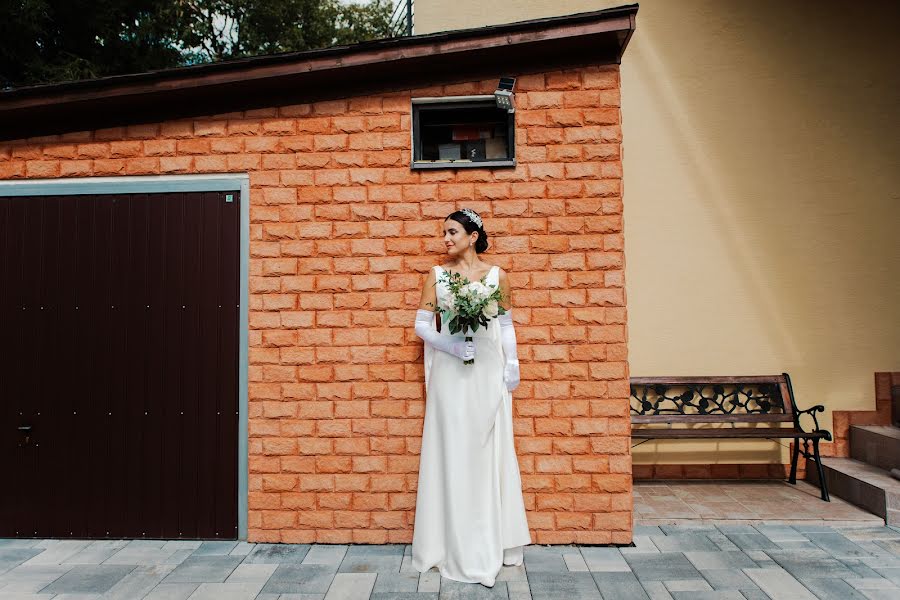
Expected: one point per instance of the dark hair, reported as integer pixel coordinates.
(481, 244)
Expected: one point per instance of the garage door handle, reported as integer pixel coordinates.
(25, 428)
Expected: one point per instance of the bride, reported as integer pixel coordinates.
(470, 516)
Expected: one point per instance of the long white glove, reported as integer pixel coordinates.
(508, 341)
(455, 346)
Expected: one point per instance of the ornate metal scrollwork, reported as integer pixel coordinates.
(705, 399)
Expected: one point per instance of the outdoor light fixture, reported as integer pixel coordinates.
(504, 94)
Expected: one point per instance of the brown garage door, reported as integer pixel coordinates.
(118, 365)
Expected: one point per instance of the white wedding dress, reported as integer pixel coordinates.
(470, 515)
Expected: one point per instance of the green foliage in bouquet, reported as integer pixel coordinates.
(470, 305)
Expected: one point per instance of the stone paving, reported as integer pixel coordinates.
(697, 561)
(657, 502)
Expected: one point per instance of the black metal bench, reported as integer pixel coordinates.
(757, 403)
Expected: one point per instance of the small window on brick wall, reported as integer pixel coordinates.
(460, 132)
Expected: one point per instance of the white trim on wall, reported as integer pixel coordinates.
(152, 184)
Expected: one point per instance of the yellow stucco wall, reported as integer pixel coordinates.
(762, 192)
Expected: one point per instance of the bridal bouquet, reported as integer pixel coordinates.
(469, 305)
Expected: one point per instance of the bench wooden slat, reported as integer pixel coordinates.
(721, 432)
(700, 380)
(713, 418)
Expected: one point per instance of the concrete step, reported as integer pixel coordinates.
(878, 445)
(862, 484)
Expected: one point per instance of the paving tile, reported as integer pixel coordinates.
(810, 565)
(174, 545)
(553, 586)
(729, 529)
(251, 573)
(832, 589)
(384, 596)
(178, 557)
(430, 581)
(836, 545)
(865, 534)
(88, 579)
(544, 560)
(21, 596)
(512, 573)
(456, 590)
(880, 594)
(138, 582)
(642, 545)
(300, 579)
(226, 591)
(647, 530)
(172, 591)
(141, 555)
(868, 583)
(619, 585)
(889, 573)
(779, 584)
(806, 545)
(204, 569)
(371, 559)
(96, 552)
(875, 548)
(861, 570)
(757, 555)
(656, 590)
(11, 557)
(662, 567)
(728, 579)
(352, 586)
(813, 528)
(719, 560)
(683, 542)
(325, 555)
(406, 566)
(277, 553)
(751, 541)
(687, 585)
(295, 596)
(709, 595)
(26, 579)
(697, 528)
(16, 543)
(215, 548)
(575, 562)
(518, 590)
(604, 559)
(722, 541)
(755, 595)
(398, 582)
(781, 533)
(242, 549)
(58, 553)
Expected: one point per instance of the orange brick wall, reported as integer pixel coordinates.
(342, 235)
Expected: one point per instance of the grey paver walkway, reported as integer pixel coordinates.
(701, 560)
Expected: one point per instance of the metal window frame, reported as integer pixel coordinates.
(153, 184)
(451, 102)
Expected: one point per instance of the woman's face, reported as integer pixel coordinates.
(456, 238)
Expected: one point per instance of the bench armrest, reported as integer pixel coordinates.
(812, 412)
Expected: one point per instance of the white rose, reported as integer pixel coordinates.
(491, 309)
(448, 302)
(475, 290)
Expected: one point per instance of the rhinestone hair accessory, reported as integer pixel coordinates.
(472, 215)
